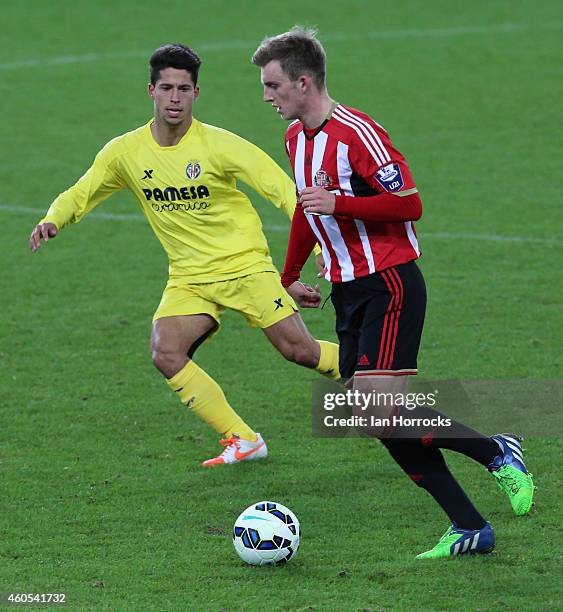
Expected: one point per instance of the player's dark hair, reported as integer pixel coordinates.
(298, 52)
(174, 55)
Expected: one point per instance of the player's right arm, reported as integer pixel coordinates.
(98, 183)
(299, 247)
(42, 231)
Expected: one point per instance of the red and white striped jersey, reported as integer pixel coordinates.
(352, 155)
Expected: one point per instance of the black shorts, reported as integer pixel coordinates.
(379, 320)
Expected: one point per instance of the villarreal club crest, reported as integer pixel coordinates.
(193, 170)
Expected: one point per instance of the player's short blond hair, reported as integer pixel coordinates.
(298, 52)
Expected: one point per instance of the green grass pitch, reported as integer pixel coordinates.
(102, 495)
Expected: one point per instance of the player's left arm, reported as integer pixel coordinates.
(385, 170)
(258, 170)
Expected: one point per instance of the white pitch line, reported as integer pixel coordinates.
(102, 216)
(61, 60)
(502, 28)
(97, 215)
(492, 238)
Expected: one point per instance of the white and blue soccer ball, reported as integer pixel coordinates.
(266, 533)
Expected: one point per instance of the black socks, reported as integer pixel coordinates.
(426, 467)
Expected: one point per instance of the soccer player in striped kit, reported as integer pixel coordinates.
(358, 200)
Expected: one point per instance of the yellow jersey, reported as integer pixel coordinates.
(188, 193)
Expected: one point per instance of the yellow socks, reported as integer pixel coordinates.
(199, 392)
(328, 361)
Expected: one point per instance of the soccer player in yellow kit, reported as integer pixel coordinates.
(184, 174)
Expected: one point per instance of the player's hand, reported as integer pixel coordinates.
(305, 295)
(321, 267)
(42, 231)
(317, 200)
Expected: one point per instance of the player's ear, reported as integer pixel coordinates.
(196, 92)
(304, 82)
(150, 90)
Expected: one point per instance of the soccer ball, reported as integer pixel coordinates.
(266, 533)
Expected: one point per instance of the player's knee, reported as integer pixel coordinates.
(168, 363)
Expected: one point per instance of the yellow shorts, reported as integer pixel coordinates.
(260, 297)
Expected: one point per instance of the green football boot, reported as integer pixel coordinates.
(511, 474)
(461, 542)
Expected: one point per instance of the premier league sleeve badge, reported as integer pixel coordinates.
(390, 177)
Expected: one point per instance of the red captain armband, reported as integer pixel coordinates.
(383, 207)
